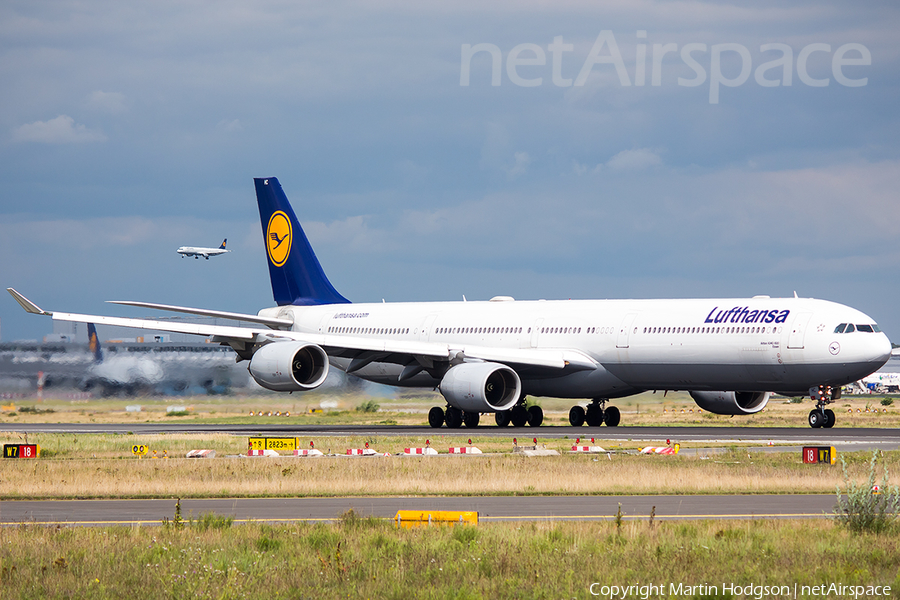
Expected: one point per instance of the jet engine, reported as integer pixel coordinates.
(289, 366)
(731, 403)
(481, 387)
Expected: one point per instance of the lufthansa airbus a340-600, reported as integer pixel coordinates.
(485, 357)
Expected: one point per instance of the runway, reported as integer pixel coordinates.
(489, 508)
(859, 438)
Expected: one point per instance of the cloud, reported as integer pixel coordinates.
(230, 125)
(61, 130)
(108, 102)
(634, 160)
(522, 160)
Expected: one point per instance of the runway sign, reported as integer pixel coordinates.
(21, 451)
(273, 443)
(819, 454)
(140, 449)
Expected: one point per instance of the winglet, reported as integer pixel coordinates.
(27, 304)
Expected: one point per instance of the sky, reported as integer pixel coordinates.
(622, 149)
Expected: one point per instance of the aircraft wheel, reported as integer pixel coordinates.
(611, 416)
(519, 415)
(436, 417)
(535, 416)
(471, 419)
(576, 416)
(829, 418)
(816, 418)
(454, 418)
(594, 415)
(502, 418)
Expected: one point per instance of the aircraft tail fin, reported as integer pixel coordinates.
(222, 247)
(296, 275)
(94, 343)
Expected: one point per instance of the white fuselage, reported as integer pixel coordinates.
(760, 344)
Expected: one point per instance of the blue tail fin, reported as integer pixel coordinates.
(94, 343)
(222, 247)
(297, 277)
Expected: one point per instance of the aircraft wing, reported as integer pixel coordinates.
(272, 322)
(239, 333)
(361, 349)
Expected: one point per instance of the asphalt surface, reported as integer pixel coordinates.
(489, 508)
(857, 438)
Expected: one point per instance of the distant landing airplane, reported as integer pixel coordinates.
(204, 252)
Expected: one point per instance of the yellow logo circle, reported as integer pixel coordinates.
(278, 238)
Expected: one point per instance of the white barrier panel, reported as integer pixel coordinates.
(596, 449)
(465, 450)
(309, 452)
(261, 453)
(201, 454)
(412, 451)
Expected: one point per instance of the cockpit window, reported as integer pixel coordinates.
(850, 328)
(876, 328)
(840, 328)
(866, 328)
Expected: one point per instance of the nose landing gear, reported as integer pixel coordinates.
(821, 416)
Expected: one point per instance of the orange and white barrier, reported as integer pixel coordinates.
(465, 450)
(201, 454)
(661, 449)
(419, 451)
(308, 452)
(595, 449)
(361, 452)
(261, 453)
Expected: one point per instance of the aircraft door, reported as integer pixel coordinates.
(536, 332)
(798, 331)
(425, 332)
(625, 330)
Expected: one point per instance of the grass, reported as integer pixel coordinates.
(732, 472)
(368, 558)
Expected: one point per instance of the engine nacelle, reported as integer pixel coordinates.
(481, 387)
(731, 403)
(289, 366)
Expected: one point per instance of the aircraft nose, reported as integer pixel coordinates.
(878, 350)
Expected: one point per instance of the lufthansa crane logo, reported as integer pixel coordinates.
(278, 238)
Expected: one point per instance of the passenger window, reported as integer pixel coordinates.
(850, 328)
(840, 328)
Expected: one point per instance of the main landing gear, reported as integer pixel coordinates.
(821, 416)
(519, 415)
(453, 417)
(596, 414)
